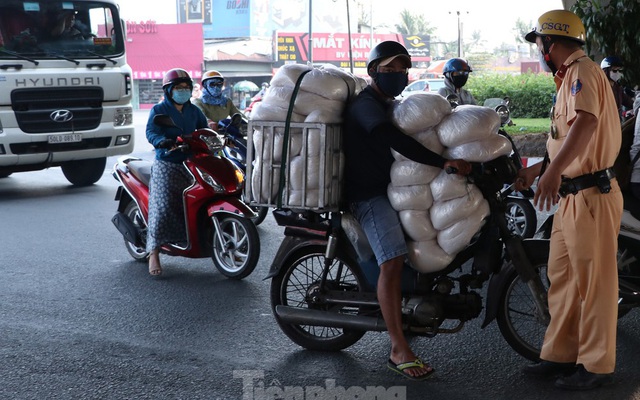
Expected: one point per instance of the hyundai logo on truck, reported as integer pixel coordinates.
(61, 116)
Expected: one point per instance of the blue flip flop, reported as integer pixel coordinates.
(402, 367)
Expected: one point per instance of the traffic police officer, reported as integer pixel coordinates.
(580, 341)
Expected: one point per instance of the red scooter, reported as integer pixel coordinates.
(218, 223)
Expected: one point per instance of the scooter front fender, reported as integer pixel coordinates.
(231, 205)
(498, 282)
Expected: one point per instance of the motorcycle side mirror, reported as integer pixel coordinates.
(453, 100)
(164, 121)
(236, 120)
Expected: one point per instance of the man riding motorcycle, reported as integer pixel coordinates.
(456, 72)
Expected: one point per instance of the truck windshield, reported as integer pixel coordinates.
(59, 30)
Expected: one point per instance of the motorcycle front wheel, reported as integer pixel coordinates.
(139, 253)
(518, 317)
(294, 286)
(236, 246)
(521, 217)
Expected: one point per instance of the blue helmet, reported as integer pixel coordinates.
(456, 65)
(611, 61)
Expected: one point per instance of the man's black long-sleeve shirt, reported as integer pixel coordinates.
(368, 139)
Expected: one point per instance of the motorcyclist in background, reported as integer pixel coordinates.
(213, 103)
(613, 67)
(456, 72)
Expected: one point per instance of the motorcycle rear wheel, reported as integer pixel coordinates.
(139, 253)
(517, 314)
(237, 249)
(292, 286)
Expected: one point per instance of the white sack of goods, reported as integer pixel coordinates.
(314, 164)
(457, 236)
(267, 150)
(264, 189)
(416, 197)
(263, 111)
(446, 213)
(420, 111)
(468, 123)
(448, 186)
(427, 256)
(417, 225)
(455, 210)
(409, 173)
(484, 150)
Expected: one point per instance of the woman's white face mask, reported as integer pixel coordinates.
(615, 76)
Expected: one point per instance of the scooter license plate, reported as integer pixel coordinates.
(70, 138)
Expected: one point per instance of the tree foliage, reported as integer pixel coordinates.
(412, 24)
(612, 29)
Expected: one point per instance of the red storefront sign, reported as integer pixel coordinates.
(153, 49)
(335, 48)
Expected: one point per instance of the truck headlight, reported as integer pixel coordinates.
(123, 116)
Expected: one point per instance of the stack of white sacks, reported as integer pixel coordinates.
(321, 98)
(440, 213)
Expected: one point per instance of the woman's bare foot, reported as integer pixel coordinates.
(154, 263)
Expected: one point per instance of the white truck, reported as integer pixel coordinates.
(65, 87)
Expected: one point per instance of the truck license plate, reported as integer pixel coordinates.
(70, 138)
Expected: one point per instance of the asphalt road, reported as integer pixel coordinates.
(80, 320)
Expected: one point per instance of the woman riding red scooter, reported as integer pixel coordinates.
(190, 181)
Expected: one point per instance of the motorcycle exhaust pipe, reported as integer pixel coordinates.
(307, 316)
(128, 230)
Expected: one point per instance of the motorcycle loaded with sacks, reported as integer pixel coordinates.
(324, 274)
(323, 289)
(218, 222)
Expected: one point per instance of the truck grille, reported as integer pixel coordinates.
(44, 147)
(33, 108)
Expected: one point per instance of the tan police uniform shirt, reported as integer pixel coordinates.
(585, 87)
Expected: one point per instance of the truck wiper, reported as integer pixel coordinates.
(93, 53)
(19, 56)
(56, 55)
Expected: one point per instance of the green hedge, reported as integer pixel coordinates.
(531, 94)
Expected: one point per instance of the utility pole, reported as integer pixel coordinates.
(459, 31)
(310, 34)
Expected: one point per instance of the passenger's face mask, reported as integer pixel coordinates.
(615, 76)
(215, 91)
(392, 83)
(181, 96)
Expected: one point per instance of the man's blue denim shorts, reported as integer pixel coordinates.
(381, 224)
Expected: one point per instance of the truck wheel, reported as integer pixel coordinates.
(84, 172)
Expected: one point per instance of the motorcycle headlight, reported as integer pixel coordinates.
(240, 177)
(218, 188)
(214, 143)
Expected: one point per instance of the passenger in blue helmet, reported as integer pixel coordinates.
(456, 72)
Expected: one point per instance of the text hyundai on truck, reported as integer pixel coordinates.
(65, 87)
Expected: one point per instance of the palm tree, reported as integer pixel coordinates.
(414, 24)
